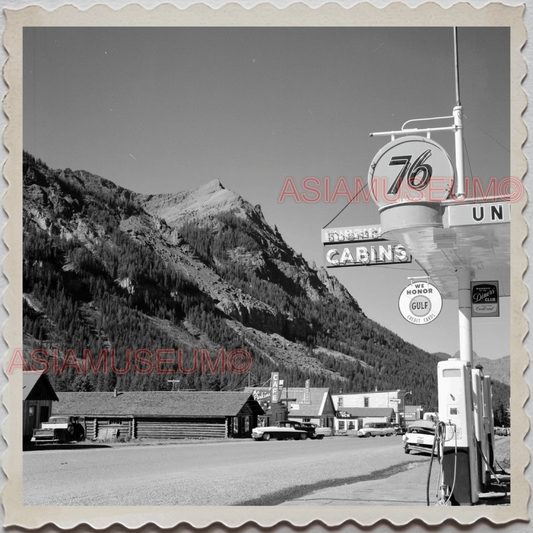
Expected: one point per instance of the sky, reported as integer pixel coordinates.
(161, 110)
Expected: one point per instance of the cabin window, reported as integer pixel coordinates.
(365, 399)
(341, 401)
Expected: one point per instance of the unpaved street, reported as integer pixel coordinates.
(208, 473)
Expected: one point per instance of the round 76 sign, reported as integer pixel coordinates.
(410, 169)
(420, 303)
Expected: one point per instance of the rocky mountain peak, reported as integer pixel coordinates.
(208, 200)
(212, 186)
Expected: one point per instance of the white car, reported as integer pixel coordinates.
(419, 437)
(282, 430)
(373, 429)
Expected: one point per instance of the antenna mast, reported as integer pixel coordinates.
(458, 126)
(456, 54)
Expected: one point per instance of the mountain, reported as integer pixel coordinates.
(119, 275)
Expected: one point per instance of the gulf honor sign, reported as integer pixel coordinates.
(420, 303)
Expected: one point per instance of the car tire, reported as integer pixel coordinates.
(320, 437)
(382, 435)
(266, 436)
(373, 435)
(407, 450)
(303, 436)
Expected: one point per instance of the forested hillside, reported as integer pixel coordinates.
(111, 271)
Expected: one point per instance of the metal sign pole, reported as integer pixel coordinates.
(465, 316)
(458, 127)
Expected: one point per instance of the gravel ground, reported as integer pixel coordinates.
(502, 452)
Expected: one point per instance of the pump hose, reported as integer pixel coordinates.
(488, 464)
(438, 432)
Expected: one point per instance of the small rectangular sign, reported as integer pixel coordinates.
(472, 214)
(485, 299)
(307, 392)
(351, 234)
(365, 254)
(274, 387)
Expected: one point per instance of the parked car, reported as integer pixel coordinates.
(419, 437)
(502, 431)
(399, 430)
(60, 428)
(286, 429)
(313, 431)
(374, 429)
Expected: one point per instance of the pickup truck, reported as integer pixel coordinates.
(60, 428)
(373, 429)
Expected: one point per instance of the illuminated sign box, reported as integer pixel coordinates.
(485, 299)
(365, 254)
(473, 214)
(351, 234)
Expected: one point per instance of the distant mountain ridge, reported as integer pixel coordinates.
(105, 268)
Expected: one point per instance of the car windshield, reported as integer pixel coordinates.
(59, 419)
(424, 431)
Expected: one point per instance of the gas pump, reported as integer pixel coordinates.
(482, 396)
(488, 421)
(459, 463)
(479, 426)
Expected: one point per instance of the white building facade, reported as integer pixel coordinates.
(355, 409)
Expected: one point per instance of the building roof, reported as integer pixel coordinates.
(318, 398)
(399, 391)
(156, 404)
(364, 412)
(36, 386)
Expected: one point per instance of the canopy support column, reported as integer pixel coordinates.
(465, 316)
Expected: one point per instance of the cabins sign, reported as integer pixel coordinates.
(365, 253)
(361, 246)
(351, 234)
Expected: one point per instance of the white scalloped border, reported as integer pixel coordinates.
(263, 14)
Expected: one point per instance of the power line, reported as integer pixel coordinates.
(489, 135)
(355, 196)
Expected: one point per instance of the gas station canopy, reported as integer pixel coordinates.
(473, 236)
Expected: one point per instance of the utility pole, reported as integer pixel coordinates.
(174, 381)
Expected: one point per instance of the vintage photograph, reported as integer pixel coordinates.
(267, 266)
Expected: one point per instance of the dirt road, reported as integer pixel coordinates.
(235, 472)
